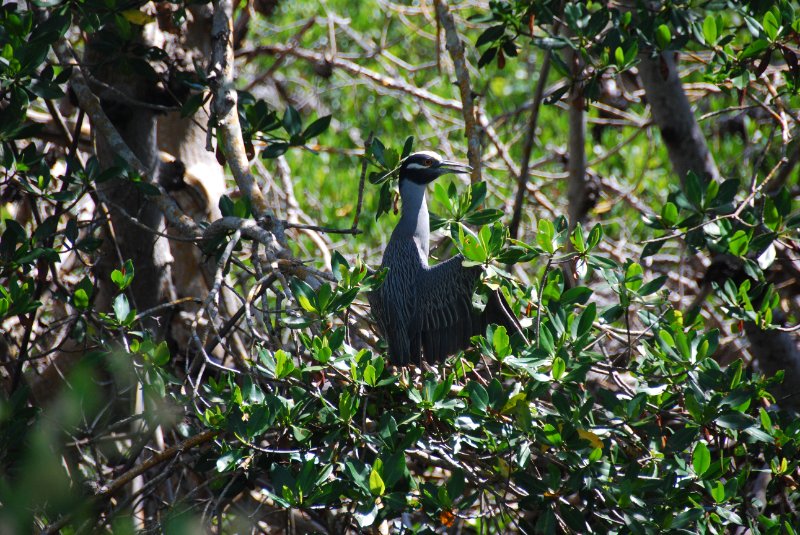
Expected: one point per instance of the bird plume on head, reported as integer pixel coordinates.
(426, 166)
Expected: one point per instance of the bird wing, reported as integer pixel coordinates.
(427, 310)
(445, 317)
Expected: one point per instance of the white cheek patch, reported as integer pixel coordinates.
(415, 166)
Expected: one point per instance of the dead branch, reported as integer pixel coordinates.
(456, 49)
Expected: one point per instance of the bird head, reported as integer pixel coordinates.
(425, 166)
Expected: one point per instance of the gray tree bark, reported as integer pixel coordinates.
(673, 115)
(124, 98)
(688, 151)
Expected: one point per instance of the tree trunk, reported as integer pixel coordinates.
(124, 98)
(772, 350)
(673, 115)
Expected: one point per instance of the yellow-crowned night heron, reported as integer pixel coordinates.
(421, 309)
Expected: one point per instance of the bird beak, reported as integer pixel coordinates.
(453, 167)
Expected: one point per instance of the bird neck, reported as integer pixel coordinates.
(414, 220)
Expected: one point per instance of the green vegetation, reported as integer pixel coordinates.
(183, 351)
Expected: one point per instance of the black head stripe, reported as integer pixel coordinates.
(420, 167)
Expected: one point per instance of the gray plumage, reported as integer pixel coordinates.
(425, 310)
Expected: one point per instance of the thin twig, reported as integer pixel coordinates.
(279, 58)
(530, 135)
(361, 181)
(112, 488)
(356, 69)
(328, 230)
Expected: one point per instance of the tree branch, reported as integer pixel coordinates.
(670, 107)
(102, 126)
(456, 49)
(112, 488)
(530, 135)
(357, 70)
(364, 164)
(221, 76)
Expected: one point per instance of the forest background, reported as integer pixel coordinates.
(192, 194)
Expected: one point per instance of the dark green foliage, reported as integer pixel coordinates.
(625, 412)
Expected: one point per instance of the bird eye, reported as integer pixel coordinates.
(428, 162)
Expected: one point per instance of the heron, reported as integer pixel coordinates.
(422, 310)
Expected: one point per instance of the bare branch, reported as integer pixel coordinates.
(364, 163)
(221, 77)
(355, 69)
(527, 149)
(112, 488)
(456, 49)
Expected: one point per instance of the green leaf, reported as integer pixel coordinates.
(117, 278)
(766, 421)
(717, 491)
(771, 216)
(735, 420)
(123, 278)
(304, 294)
(121, 307)
(559, 367)
(577, 238)
(578, 294)
(283, 364)
(369, 375)
(160, 354)
(479, 396)
(669, 214)
(408, 146)
(483, 217)
(693, 189)
(471, 246)
(663, 36)
(291, 121)
(500, 342)
(633, 276)
(738, 243)
(653, 286)
(619, 56)
(317, 127)
(701, 458)
(80, 299)
(595, 235)
(391, 157)
(753, 49)
(275, 149)
(348, 404)
(771, 25)
(710, 30)
(490, 35)
(544, 235)
(587, 319)
(46, 229)
(652, 248)
(687, 518)
(487, 57)
(378, 149)
(376, 484)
